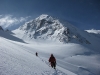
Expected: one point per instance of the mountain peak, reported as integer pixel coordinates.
(43, 16)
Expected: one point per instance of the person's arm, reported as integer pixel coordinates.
(49, 59)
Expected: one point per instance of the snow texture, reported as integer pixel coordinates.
(17, 50)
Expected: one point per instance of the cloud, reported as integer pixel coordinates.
(7, 21)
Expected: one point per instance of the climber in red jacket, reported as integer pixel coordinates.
(52, 61)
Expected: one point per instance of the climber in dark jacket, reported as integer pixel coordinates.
(52, 61)
(36, 54)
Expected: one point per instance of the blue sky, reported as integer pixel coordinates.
(84, 14)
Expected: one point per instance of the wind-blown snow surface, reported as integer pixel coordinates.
(18, 58)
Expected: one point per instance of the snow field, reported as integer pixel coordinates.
(16, 60)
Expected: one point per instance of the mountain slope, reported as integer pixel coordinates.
(46, 27)
(15, 59)
(18, 58)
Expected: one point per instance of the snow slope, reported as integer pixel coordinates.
(18, 58)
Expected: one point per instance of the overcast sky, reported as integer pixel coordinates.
(84, 14)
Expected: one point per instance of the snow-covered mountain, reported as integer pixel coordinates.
(49, 28)
(45, 35)
(93, 31)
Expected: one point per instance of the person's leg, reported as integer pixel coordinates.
(54, 65)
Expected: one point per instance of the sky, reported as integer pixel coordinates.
(84, 14)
